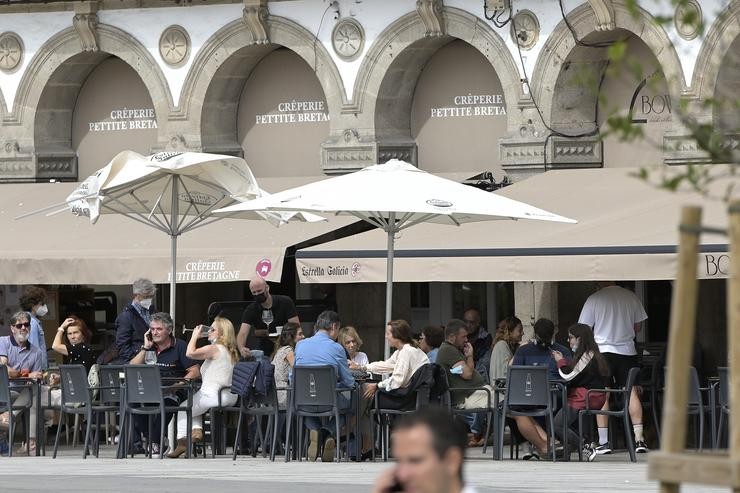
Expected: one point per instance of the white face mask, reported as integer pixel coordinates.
(43, 310)
(574, 348)
(146, 303)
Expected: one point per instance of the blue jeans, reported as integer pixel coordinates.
(314, 423)
(476, 422)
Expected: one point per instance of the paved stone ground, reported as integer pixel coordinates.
(69, 473)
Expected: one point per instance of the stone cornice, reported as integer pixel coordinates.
(85, 23)
(604, 11)
(430, 12)
(255, 15)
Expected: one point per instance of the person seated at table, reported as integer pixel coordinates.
(403, 363)
(538, 352)
(432, 336)
(73, 342)
(508, 336)
(351, 342)
(219, 358)
(587, 370)
(284, 359)
(173, 363)
(23, 360)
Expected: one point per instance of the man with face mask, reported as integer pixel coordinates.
(33, 301)
(22, 359)
(261, 317)
(133, 322)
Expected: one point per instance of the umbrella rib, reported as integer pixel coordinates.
(138, 217)
(204, 214)
(155, 221)
(150, 219)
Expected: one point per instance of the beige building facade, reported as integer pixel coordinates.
(311, 87)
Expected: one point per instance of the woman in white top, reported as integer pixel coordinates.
(351, 342)
(402, 364)
(220, 357)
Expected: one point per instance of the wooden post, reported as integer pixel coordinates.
(681, 339)
(733, 333)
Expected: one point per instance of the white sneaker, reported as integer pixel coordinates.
(603, 449)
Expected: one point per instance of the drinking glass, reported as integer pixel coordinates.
(150, 358)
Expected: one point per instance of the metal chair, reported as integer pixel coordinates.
(724, 401)
(621, 412)
(77, 400)
(144, 397)
(696, 405)
(6, 405)
(650, 379)
(259, 406)
(527, 394)
(111, 393)
(488, 410)
(388, 405)
(313, 393)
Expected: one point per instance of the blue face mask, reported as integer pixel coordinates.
(574, 348)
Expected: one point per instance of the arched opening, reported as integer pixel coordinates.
(113, 112)
(727, 90)
(83, 115)
(282, 117)
(590, 89)
(458, 111)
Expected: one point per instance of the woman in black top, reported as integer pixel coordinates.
(586, 371)
(73, 342)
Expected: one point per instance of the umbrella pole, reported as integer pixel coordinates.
(174, 213)
(389, 278)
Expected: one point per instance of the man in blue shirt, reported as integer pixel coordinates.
(319, 350)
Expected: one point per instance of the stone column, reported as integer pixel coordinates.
(534, 300)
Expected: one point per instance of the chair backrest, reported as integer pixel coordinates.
(75, 389)
(110, 380)
(4, 387)
(724, 386)
(143, 384)
(528, 386)
(314, 386)
(439, 393)
(694, 398)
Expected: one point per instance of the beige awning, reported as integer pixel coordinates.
(627, 229)
(64, 249)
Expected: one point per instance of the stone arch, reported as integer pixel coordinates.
(211, 91)
(721, 35)
(390, 70)
(560, 44)
(3, 106)
(62, 62)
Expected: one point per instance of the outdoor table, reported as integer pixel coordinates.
(18, 383)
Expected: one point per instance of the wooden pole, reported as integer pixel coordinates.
(733, 333)
(681, 339)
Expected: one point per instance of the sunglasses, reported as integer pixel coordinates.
(21, 325)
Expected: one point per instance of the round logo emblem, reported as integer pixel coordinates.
(355, 270)
(439, 203)
(263, 267)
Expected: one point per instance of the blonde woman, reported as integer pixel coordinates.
(219, 358)
(351, 342)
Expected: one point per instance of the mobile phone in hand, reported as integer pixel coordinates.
(149, 336)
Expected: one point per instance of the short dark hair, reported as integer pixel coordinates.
(401, 330)
(434, 335)
(326, 319)
(544, 329)
(454, 326)
(447, 431)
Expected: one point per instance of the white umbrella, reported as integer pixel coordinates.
(394, 196)
(174, 192)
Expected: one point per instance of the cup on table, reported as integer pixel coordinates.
(279, 329)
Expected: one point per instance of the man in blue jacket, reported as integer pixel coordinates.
(319, 350)
(133, 322)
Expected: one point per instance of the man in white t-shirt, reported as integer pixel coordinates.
(615, 314)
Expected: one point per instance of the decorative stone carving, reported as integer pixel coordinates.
(86, 25)
(56, 164)
(348, 39)
(525, 29)
(11, 147)
(174, 45)
(604, 11)
(430, 12)
(178, 142)
(403, 152)
(255, 15)
(683, 149)
(351, 135)
(688, 19)
(11, 51)
(584, 152)
(350, 153)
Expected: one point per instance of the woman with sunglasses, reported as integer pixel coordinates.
(219, 358)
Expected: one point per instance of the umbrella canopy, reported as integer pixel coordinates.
(174, 192)
(394, 196)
